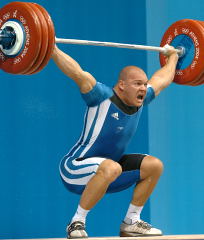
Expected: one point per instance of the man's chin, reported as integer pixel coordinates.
(139, 103)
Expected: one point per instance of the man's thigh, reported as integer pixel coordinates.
(76, 173)
(130, 164)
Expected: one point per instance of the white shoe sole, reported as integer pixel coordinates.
(132, 234)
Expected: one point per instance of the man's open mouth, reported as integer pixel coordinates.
(140, 97)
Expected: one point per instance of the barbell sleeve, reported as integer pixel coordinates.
(7, 37)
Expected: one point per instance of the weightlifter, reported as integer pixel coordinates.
(97, 163)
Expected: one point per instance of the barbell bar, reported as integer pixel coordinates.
(27, 38)
(163, 50)
(7, 40)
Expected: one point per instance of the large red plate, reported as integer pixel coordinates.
(193, 33)
(24, 14)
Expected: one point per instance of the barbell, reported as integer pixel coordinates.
(27, 39)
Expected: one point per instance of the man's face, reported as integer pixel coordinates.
(134, 89)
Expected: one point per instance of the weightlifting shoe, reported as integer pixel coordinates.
(139, 228)
(76, 230)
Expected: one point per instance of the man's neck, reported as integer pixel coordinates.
(120, 95)
(122, 105)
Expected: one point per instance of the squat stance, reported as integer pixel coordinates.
(97, 164)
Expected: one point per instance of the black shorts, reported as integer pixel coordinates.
(131, 162)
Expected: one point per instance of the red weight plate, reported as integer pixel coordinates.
(44, 42)
(27, 18)
(168, 38)
(51, 37)
(193, 35)
(199, 80)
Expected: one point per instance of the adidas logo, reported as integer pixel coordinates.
(115, 115)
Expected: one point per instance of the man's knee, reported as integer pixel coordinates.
(110, 170)
(151, 166)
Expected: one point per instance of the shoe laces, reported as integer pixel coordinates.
(143, 224)
(76, 226)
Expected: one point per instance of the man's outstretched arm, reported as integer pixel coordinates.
(72, 69)
(164, 76)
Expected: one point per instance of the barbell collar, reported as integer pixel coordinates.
(7, 37)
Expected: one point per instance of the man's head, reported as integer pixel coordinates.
(132, 86)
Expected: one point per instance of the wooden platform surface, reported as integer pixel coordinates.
(165, 237)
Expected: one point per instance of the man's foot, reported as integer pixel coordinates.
(139, 228)
(76, 230)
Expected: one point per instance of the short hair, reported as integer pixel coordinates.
(126, 72)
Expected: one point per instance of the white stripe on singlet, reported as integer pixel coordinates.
(103, 109)
(86, 170)
(87, 125)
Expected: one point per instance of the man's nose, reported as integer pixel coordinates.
(143, 87)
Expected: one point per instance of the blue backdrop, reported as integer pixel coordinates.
(176, 133)
(42, 116)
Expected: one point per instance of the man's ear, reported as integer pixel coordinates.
(121, 84)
